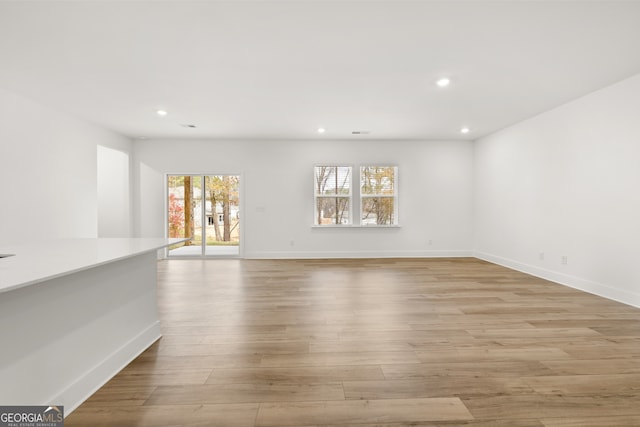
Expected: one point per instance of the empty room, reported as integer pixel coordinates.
(320, 213)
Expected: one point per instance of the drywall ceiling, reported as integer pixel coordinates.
(268, 69)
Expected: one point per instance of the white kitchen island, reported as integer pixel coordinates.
(73, 313)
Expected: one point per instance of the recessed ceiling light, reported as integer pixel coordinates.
(465, 130)
(161, 113)
(443, 82)
(142, 137)
(321, 130)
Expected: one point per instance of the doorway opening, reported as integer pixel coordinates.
(205, 208)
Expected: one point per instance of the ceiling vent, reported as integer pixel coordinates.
(186, 125)
(360, 132)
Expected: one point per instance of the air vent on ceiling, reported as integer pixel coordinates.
(186, 125)
(360, 132)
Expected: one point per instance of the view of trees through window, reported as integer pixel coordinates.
(206, 209)
(332, 194)
(378, 198)
(378, 195)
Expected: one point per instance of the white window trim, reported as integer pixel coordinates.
(394, 195)
(355, 197)
(349, 196)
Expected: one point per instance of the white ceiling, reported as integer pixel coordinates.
(267, 69)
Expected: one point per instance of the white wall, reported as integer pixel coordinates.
(566, 183)
(435, 193)
(48, 171)
(114, 192)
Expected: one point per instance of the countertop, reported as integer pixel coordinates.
(36, 262)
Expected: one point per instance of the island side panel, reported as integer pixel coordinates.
(62, 339)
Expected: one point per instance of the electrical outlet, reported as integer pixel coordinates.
(292, 242)
(430, 242)
(564, 260)
(541, 256)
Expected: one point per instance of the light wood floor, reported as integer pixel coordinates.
(396, 342)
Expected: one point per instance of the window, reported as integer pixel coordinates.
(378, 195)
(376, 198)
(332, 195)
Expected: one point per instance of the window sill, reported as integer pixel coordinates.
(355, 226)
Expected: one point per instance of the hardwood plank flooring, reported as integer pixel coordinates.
(358, 411)
(375, 342)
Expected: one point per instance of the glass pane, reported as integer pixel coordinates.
(185, 213)
(378, 211)
(332, 210)
(377, 180)
(333, 180)
(222, 214)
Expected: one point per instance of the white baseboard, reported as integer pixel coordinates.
(600, 289)
(356, 254)
(86, 385)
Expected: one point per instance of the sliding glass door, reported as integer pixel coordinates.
(205, 208)
(222, 215)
